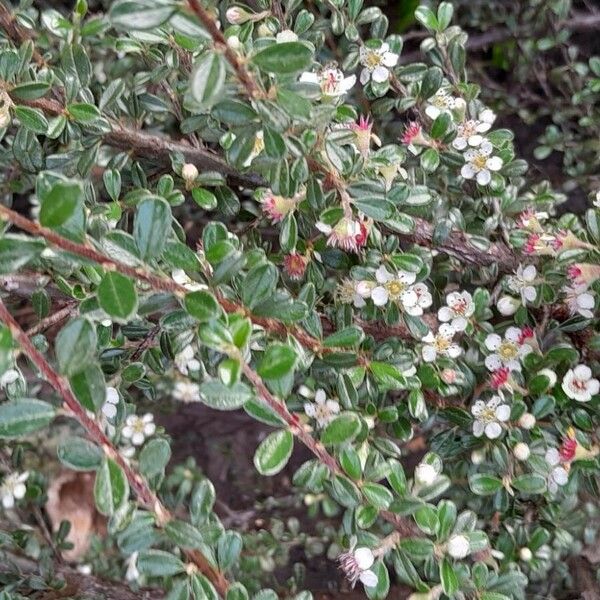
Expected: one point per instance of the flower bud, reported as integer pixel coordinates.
(551, 375)
(233, 41)
(477, 457)
(287, 35)
(521, 451)
(525, 554)
(507, 305)
(425, 474)
(448, 376)
(189, 172)
(458, 546)
(236, 15)
(527, 421)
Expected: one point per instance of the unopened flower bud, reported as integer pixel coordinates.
(527, 421)
(236, 15)
(521, 451)
(477, 457)
(507, 305)
(525, 554)
(287, 35)
(448, 376)
(189, 172)
(425, 474)
(458, 546)
(233, 41)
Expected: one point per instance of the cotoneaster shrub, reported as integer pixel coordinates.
(373, 266)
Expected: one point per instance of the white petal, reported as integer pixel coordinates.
(493, 430)
(484, 177)
(347, 83)
(560, 476)
(513, 334)
(529, 293)
(493, 362)
(409, 298)
(552, 456)
(477, 408)
(368, 578)
(137, 439)
(454, 351)
(332, 406)
(433, 112)
(503, 412)
(310, 409)
(494, 163)
(380, 74)
(309, 78)
(365, 75)
(493, 341)
(582, 372)
(149, 429)
(585, 301)
(8, 501)
(127, 431)
(467, 171)
(429, 353)
(475, 140)
(19, 491)
(320, 396)
(446, 330)
(593, 387)
(459, 323)
(390, 59)
(529, 273)
(379, 296)
(383, 275)
(460, 143)
(364, 558)
(109, 410)
(478, 428)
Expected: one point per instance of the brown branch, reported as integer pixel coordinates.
(53, 319)
(298, 429)
(16, 33)
(146, 497)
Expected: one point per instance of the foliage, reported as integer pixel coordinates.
(214, 219)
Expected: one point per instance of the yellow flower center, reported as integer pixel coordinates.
(508, 351)
(372, 60)
(394, 288)
(441, 343)
(488, 414)
(283, 205)
(138, 426)
(479, 162)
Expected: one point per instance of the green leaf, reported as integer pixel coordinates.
(288, 57)
(259, 284)
(277, 361)
(117, 296)
(16, 251)
(83, 112)
(154, 457)
(219, 396)
(184, 535)
(448, 577)
(531, 483)
(30, 91)
(152, 226)
(141, 14)
(343, 428)
(350, 336)
(229, 549)
(59, 203)
(205, 199)
(32, 119)
(111, 489)
(24, 416)
(484, 485)
(202, 305)
(158, 563)
(207, 78)
(89, 387)
(378, 495)
(426, 17)
(274, 452)
(75, 346)
(79, 454)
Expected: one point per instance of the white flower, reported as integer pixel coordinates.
(396, 287)
(186, 391)
(580, 300)
(489, 416)
(139, 428)
(480, 163)
(180, 277)
(441, 102)
(527, 421)
(356, 565)
(440, 344)
(507, 305)
(13, 488)
(458, 546)
(287, 35)
(9, 376)
(354, 292)
(377, 63)
(322, 409)
(469, 134)
(558, 476)
(425, 474)
(185, 360)
(111, 401)
(331, 80)
(521, 451)
(508, 352)
(460, 307)
(578, 384)
(522, 283)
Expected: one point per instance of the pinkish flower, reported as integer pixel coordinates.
(277, 207)
(294, 265)
(348, 233)
(530, 220)
(499, 378)
(583, 273)
(362, 131)
(527, 335)
(448, 376)
(413, 134)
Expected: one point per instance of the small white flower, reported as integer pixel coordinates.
(489, 416)
(186, 391)
(9, 376)
(322, 409)
(522, 283)
(469, 133)
(458, 546)
(521, 451)
(137, 429)
(507, 305)
(185, 360)
(440, 344)
(460, 307)
(396, 287)
(480, 163)
(287, 35)
(354, 292)
(425, 474)
(356, 565)
(527, 421)
(580, 300)
(441, 102)
(558, 475)
(180, 277)
(111, 401)
(377, 63)
(578, 384)
(13, 488)
(331, 80)
(507, 352)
